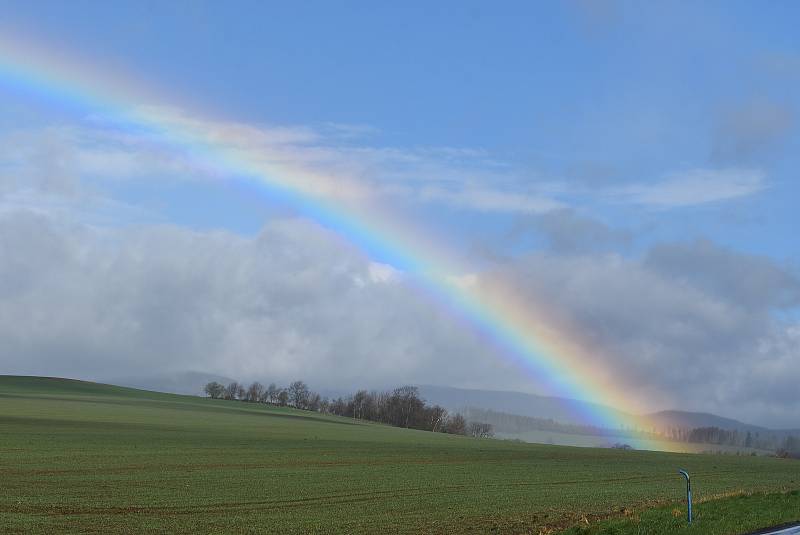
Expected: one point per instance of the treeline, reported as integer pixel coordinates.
(401, 407)
(296, 395)
(783, 444)
(515, 423)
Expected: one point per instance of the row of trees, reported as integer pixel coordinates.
(781, 442)
(296, 394)
(515, 423)
(401, 407)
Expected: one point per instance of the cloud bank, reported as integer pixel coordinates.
(687, 324)
(93, 286)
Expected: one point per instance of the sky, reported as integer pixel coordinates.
(628, 167)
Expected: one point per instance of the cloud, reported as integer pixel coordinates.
(691, 325)
(566, 231)
(688, 323)
(62, 160)
(754, 282)
(349, 131)
(324, 162)
(674, 333)
(489, 200)
(39, 160)
(746, 131)
(291, 302)
(695, 187)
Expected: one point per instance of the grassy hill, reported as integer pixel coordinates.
(90, 458)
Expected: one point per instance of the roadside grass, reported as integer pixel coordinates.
(731, 515)
(79, 457)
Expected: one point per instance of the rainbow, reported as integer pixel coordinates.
(518, 329)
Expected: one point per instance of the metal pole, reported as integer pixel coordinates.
(685, 474)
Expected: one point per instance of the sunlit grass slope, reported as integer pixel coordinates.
(89, 458)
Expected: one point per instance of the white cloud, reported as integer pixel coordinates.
(489, 200)
(296, 302)
(315, 161)
(379, 272)
(292, 302)
(696, 187)
(82, 296)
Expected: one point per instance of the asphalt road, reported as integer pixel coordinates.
(784, 530)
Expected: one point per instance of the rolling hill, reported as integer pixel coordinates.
(85, 457)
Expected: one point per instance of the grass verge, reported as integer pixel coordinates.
(731, 515)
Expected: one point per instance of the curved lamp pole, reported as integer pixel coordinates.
(685, 474)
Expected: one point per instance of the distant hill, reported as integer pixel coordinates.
(568, 411)
(563, 410)
(665, 419)
(699, 419)
(190, 382)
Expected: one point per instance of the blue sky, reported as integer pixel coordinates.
(624, 132)
(584, 92)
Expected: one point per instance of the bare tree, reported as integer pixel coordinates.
(254, 392)
(338, 406)
(437, 418)
(214, 390)
(283, 397)
(456, 425)
(298, 394)
(480, 430)
(361, 404)
(272, 393)
(406, 404)
(382, 407)
(232, 391)
(402, 407)
(314, 401)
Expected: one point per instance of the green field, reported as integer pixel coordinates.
(86, 458)
(587, 441)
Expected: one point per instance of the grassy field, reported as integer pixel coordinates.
(588, 441)
(733, 514)
(80, 457)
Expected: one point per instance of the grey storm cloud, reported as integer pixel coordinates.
(688, 325)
